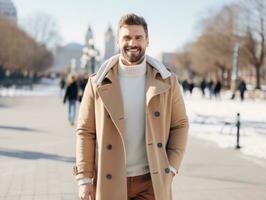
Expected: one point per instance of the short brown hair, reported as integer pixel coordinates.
(133, 19)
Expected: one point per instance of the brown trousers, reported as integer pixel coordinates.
(140, 188)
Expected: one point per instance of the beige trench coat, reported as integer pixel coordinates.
(100, 147)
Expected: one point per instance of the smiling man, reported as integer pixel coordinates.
(132, 127)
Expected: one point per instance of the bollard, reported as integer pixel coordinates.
(238, 131)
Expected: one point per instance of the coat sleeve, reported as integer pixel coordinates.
(178, 128)
(85, 135)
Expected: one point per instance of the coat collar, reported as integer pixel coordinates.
(110, 63)
(154, 84)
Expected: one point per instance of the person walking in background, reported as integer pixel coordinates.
(217, 89)
(71, 95)
(210, 88)
(203, 86)
(185, 86)
(242, 87)
(82, 84)
(191, 85)
(62, 84)
(130, 143)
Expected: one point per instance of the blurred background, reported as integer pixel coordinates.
(216, 48)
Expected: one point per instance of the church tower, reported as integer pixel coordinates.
(109, 43)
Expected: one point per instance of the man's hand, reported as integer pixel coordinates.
(86, 192)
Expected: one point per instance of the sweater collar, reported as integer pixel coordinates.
(132, 70)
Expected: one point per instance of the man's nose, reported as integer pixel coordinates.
(132, 42)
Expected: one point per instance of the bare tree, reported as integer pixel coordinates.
(20, 52)
(12, 41)
(43, 59)
(254, 23)
(43, 28)
(184, 58)
(213, 50)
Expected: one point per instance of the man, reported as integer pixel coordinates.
(132, 127)
(242, 87)
(71, 94)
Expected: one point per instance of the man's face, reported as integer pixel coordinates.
(132, 42)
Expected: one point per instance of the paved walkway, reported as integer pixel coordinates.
(36, 150)
(37, 153)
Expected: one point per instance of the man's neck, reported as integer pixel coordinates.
(128, 63)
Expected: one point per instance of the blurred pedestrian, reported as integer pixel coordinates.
(82, 84)
(242, 87)
(210, 88)
(185, 86)
(62, 85)
(71, 95)
(191, 86)
(217, 88)
(203, 86)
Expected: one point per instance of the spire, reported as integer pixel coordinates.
(109, 43)
(89, 35)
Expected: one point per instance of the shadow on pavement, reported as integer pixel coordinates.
(19, 128)
(227, 179)
(4, 106)
(31, 155)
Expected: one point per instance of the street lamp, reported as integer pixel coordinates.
(89, 57)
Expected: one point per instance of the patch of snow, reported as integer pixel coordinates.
(215, 120)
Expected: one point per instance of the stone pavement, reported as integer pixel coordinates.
(37, 152)
(211, 173)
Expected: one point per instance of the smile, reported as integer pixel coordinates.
(132, 50)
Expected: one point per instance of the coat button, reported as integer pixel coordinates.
(109, 176)
(109, 146)
(157, 114)
(167, 170)
(160, 145)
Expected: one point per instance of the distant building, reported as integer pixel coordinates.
(63, 56)
(89, 35)
(90, 58)
(109, 43)
(8, 10)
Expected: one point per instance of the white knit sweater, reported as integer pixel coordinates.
(132, 84)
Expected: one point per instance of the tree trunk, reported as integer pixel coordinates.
(257, 77)
(228, 78)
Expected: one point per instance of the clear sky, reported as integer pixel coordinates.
(171, 23)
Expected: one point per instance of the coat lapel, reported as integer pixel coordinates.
(154, 86)
(110, 94)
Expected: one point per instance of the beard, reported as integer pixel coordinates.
(133, 54)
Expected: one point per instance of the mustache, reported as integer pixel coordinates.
(129, 48)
